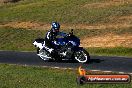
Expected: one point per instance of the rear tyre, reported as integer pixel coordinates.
(43, 54)
(38, 50)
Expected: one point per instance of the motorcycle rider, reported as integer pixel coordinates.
(50, 39)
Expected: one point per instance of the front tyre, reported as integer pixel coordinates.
(82, 56)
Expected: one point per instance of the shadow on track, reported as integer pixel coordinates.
(95, 61)
(91, 61)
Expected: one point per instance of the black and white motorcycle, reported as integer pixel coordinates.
(67, 49)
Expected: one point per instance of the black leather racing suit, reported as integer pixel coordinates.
(51, 37)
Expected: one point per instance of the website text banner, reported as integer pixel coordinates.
(108, 78)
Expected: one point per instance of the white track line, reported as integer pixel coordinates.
(44, 66)
(72, 68)
(55, 67)
(107, 71)
(130, 73)
(94, 70)
(121, 72)
(87, 70)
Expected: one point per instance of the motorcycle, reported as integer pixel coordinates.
(67, 49)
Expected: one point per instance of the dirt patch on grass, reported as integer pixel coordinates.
(26, 25)
(109, 40)
(7, 1)
(107, 3)
(103, 26)
(45, 26)
(121, 19)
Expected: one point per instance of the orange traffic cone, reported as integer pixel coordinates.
(82, 72)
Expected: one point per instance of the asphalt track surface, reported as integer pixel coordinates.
(105, 63)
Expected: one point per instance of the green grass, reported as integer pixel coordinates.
(22, 39)
(18, 39)
(64, 11)
(14, 76)
(94, 32)
(117, 51)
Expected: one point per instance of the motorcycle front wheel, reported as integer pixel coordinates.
(82, 56)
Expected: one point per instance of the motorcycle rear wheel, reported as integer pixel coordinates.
(43, 54)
